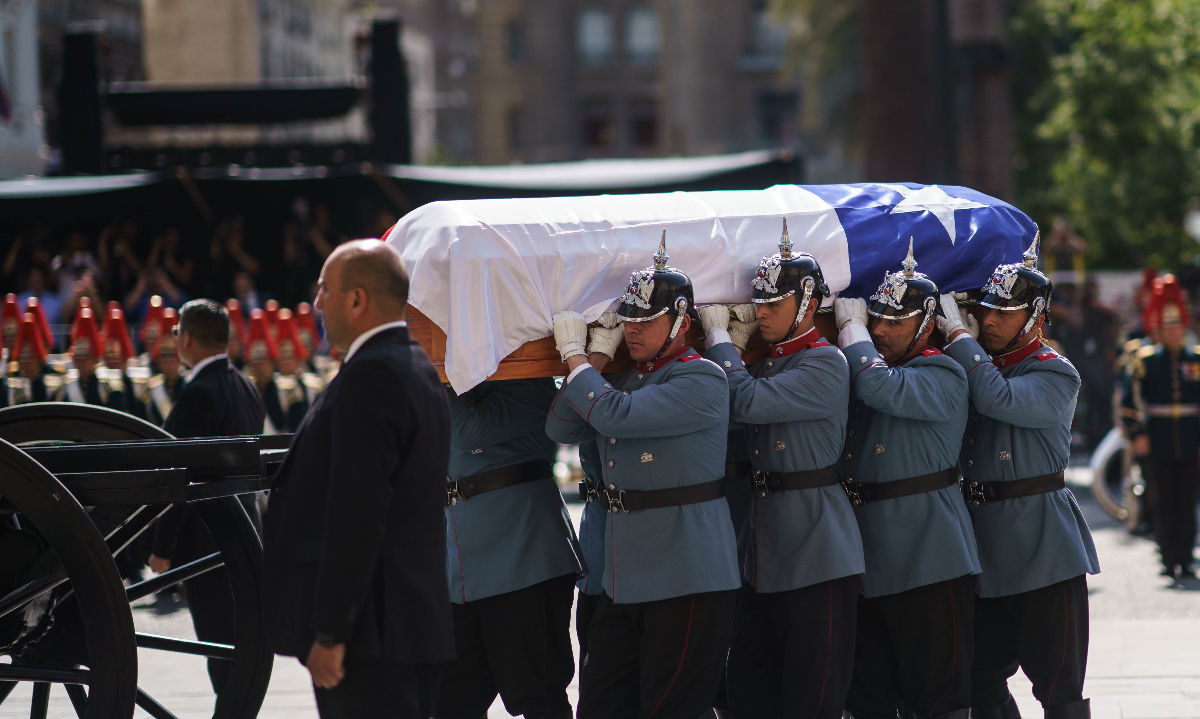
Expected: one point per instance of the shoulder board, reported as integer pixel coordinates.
(1147, 351)
(108, 374)
(1047, 354)
(931, 351)
(818, 343)
(689, 358)
(155, 381)
(137, 373)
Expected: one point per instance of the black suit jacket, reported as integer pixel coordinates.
(355, 528)
(218, 401)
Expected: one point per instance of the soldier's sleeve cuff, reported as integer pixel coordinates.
(575, 372)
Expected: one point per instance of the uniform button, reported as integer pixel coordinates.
(728, 363)
(971, 440)
(770, 363)
(611, 463)
(607, 386)
(850, 433)
(640, 376)
(591, 395)
(612, 440)
(862, 360)
(970, 462)
(625, 393)
(849, 455)
(976, 358)
(612, 486)
(756, 451)
(849, 479)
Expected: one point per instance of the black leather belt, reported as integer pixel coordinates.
(978, 493)
(622, 500)
(588, 490)
(467, 487)
(765, 482)
(863, 493)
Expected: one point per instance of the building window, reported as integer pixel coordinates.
(643, 118)
(594, 37)
(599, 127)
(643, 41)
(514, 33)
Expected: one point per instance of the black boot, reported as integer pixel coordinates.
(1081, 709)
(1007, 710)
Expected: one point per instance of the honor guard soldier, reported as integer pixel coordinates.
(10, 322)
(165, 385)
(660, 634)
(1161, 413)
(306, 327)
(290, 390)
(34, 307)
(32, 382)
(793, 641)
(118, 351)
(1034, 545)
(152, 323)
(916, 617)
(237, 331)
(512, 556)
(86, 383)
(261, 356)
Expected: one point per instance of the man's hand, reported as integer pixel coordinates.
(952, 325)
(158, 564)
(570, 334)
(325, 664)
(850, 310)
(1141, 445)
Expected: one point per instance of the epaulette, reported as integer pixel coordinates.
(1147, 351)
(931, 351)
(818, 343)
(1047, 354)
(137, 374)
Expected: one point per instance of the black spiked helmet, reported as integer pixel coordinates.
(656, 290)
(782, 274)
(1019, 286)
(906, 293)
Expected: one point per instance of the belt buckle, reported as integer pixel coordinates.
(973, 492)
(452, 493)
(759, 480)
(616, 501)
(587, 491)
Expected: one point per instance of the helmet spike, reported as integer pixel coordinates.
(660, 258)
(910, 262)
(1030, 257)
(785, 244)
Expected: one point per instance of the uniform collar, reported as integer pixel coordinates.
(795, 344)
(1010, 359)
(655, 364)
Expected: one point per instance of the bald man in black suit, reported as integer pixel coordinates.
(355, 544)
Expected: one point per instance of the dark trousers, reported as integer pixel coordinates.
(659, 659)
(1174, 494)
(1044, 632)
(913, 651)
(585, 609)
(380, 689)
(516, 644)
(793, 652)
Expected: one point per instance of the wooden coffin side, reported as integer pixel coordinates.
(539, 358)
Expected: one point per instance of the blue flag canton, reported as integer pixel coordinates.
(959, 235)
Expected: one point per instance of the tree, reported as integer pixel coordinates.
(1111, 133)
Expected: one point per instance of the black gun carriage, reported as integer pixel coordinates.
(78, 485)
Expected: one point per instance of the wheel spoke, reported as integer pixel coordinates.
(211, 650)
(41, 701)
(173, 576)
(78, 698)
(43, 675)
(19, 597)
(151, 707)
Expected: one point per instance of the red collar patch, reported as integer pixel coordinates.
(683, 354)
(931, 351)
(812, 338)
(1010, 359)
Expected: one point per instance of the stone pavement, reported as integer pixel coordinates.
(1144, 660)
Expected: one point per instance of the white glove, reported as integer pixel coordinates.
(746, 312)
(608, 320)
(713, 317)
(954, 320)
(570, 334)
(740, 331)
(605, 340)
(850, 310)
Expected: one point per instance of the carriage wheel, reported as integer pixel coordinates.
(239, 552)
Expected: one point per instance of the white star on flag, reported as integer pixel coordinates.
(934, 200)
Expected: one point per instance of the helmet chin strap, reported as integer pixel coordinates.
(680, 308)
(930, 309)
(803, 308)
(1039, 307)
